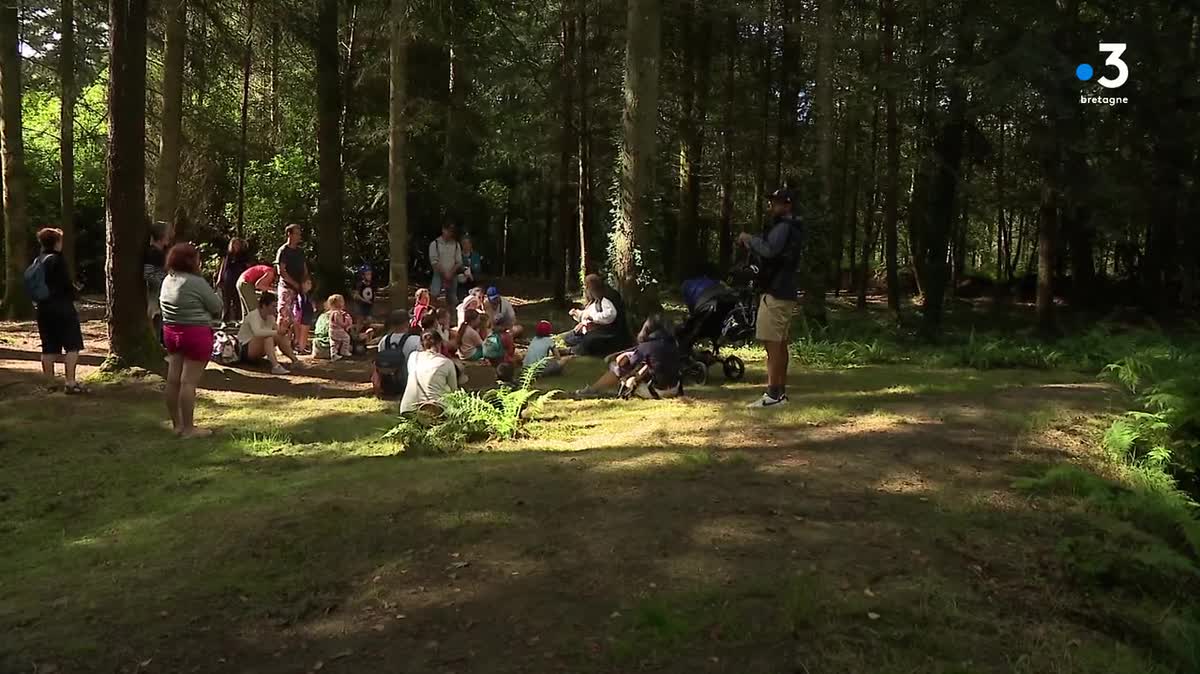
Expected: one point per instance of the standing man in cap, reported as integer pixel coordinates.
(779, 255)
(446, 260)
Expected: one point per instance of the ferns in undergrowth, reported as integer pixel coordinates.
(1163, 433)
(468, 416)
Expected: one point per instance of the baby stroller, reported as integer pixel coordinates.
(722, 316)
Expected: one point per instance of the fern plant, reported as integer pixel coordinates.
(468, 416)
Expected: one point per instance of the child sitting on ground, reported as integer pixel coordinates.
(339, 323)
(499, 347)
(470, 342)
(449, 345)
(542, 348)
(422, 305)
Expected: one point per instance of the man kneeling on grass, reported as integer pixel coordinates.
(778, 253)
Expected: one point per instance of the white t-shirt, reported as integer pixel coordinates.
(445, 256)
(430, 377)
(254, 325)
(504, 314)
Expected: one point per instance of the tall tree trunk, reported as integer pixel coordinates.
(276, 117)
(698, 50)
(725, 242)
(871, 222)
(944, 192)
(349, 79)
(818, 236)
(66, 149)
(247, 60)
(130, 339)
(166, 181)
(559, 261)
(789, 92)
(767, 57)
(583, 68)
(398, 153)
(642, 56)
(892, 183)
(1047, 247)
(329, 152)
(12, 153)
(848, 197)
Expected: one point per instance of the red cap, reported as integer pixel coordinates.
(544, 329)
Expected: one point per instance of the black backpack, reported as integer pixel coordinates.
(391, 367)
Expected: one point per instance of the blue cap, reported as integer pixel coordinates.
(493, 293)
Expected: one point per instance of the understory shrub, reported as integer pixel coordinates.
(469, 416)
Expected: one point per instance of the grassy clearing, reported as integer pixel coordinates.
(871, 526)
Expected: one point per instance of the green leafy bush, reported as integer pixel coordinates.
(1163, 433)
(468, 416)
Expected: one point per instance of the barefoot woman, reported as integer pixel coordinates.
(189, 307)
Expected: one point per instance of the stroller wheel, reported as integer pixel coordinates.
(695, 372)
(735, 369)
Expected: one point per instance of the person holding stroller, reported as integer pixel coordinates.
(778, 253)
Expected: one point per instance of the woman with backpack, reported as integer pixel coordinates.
(49, 286)
(430, 375)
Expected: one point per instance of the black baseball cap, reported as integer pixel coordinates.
(782, 194)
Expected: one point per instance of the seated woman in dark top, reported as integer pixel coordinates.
(601, 326)
(57, 320)
(655, 360)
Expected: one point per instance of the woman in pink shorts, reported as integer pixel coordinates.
(189, 307)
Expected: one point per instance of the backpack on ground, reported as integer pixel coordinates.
(225, 348)
(35, 280)
(493, 347)
(390, 374)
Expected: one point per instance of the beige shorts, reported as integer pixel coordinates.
(774, 319)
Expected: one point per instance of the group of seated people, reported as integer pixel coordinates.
(423, 357)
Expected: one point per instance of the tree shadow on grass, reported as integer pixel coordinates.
(677, 556)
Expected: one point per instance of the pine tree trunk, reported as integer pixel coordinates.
(643, 40)
(131, 341)
(559, 261)
(688, 247)
(767, 57)
(943, 194)
(12, 153)
(166, 181)
(818, 236)
(892, 183)
(247, 60)
(276, 117)
(1047, 249)
(398, 154)
(871, 222)
(66, 150)
(583, 68)
(725, 242)
(349, 79)
(330, 273)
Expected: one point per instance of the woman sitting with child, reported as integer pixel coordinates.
(655, 361)
(601, 327)
(259, 336)
(430, 375)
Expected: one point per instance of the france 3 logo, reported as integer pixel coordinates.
(1085, 72)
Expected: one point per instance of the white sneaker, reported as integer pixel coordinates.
(279, 370)
(767, 401)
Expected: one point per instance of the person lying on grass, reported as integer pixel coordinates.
(655, 360)
(259, 336)
(430, 375)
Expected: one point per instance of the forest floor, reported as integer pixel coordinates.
(872, 526)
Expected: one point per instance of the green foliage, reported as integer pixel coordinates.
(1162, 435)
(468, 416)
